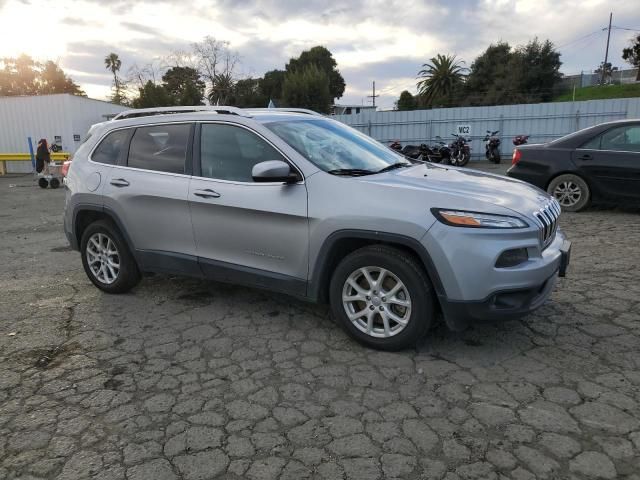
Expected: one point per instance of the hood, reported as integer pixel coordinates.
(469, 186)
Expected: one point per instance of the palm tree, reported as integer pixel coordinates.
(112, 62)
(440, 77)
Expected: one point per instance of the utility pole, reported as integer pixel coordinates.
(606, 53)
(373, 97)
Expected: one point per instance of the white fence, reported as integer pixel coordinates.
(543, 122)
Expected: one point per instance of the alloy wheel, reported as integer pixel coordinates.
(376, 302)
(567, 193)
(103, 258)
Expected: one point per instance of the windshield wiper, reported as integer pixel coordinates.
(356, 172)
(393, 166)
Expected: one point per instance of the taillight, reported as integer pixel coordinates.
(65, 168)
(516, 156)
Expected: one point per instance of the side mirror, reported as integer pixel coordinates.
(274, 171)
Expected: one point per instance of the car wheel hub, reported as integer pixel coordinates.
(376, 302)
(567, 194)
(103, 258)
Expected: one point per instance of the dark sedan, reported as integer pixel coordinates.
(599, 164)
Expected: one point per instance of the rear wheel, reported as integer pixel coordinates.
(43, 182)
(571, 191)
(382, 297)
(106, 258)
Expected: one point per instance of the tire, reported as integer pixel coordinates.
(54, 183)
(495, 156)
(571, 191)
(415, 291)
(127, 275)
(464, 159)
(43, 183)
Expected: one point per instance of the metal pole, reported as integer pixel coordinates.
(606, 53)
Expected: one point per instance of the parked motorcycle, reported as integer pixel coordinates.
(460, 150)
(395, 145)
(520, 140)
(416, 152)
(492, 146)
(440, 152)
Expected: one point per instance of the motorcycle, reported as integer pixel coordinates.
(492, 146)
(460, 151)
(520, 140)
(395, 145)
(440, 152)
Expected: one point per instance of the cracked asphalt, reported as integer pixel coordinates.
(186, 379)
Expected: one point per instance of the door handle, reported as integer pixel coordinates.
(586, 156)
(206, 193)
(119, 182)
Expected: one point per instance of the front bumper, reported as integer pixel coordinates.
(499, 306)
(474, 289)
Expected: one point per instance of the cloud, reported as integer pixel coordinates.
(382, 40)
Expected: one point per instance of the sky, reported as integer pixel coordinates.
(385, 41)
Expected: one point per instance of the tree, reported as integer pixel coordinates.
(184, 85)
(324, 61)
(606, 72)
(632, 54)
(307, 88)
(406, 101)
(271, 85)
(217, 65)
(113, 63)
(536, 71)
(54, 80)
(489, 77)
(440, 78)
(152, 95)
(247, 93)
(24, 76)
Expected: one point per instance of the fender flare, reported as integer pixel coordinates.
(320, 270)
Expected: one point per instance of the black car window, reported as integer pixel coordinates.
(593, 144)
(626, 139)
(229, 153)
(110, 147)
(161, 147)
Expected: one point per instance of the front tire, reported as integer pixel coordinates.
(571, 191)
(106, 258)
(382, 297)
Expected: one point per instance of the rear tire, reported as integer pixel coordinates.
(571, 191)
(404, 296)
(43, 183)
(106, 258)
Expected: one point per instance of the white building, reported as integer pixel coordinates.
(63, 119)
(351, 109)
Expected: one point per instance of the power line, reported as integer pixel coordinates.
(582, 37)
(625, 28)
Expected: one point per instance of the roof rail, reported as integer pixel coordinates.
(145, 112)
(285, 109)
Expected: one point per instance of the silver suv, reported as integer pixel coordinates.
(298, 203)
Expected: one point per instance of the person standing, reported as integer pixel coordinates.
(43, 157)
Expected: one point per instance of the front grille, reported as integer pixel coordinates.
(547, 216)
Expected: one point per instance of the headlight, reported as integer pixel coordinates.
(459, 218)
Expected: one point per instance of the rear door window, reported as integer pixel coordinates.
(162, 148)
(108, 151)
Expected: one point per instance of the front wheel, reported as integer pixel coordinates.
(106, 258)
(571, 191)
(495, 156)
(382, 297)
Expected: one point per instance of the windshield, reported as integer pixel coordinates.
(333, 146)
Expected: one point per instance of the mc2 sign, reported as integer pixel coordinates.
(463, 129)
